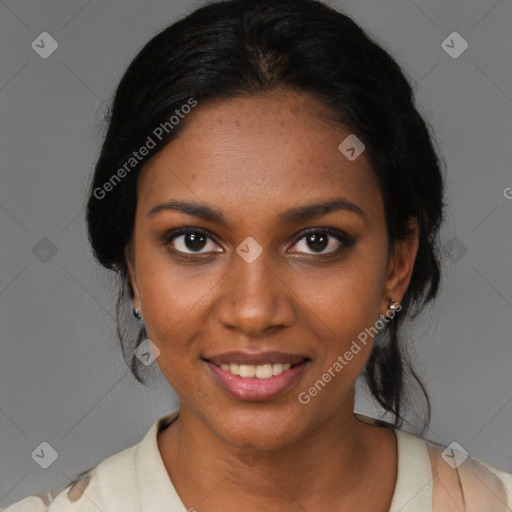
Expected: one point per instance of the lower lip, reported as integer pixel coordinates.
(254, 389)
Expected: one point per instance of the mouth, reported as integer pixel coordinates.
(269, 376)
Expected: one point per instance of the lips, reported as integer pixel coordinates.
(257, 376)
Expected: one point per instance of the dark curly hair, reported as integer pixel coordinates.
(243, 47)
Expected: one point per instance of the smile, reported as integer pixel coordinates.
(257, 382)
(261, 371)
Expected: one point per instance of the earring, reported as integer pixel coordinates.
(393, 306)
(137, 315)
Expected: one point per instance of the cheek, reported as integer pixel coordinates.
(171, 296)
(346, 297)
(341, 307)
(175, 303)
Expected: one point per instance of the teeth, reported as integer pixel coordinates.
(264, 371)
(261, 371)
(277, 369)
(247, 370)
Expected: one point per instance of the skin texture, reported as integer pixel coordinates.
(253, 158)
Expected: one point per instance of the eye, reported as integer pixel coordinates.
(323, 241)
(192, 241)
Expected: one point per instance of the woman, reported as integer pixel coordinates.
(271, 198)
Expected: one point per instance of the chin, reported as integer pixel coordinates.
(261, 428)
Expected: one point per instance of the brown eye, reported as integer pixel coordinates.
(322, 241)
(317, 241)
(191, 241)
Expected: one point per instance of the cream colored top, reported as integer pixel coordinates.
(430, 479)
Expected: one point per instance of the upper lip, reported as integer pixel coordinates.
(255, 358)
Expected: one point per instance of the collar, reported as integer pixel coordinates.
(145, 480)
(156, 491)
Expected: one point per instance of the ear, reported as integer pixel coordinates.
(400, 267)
(132, 277)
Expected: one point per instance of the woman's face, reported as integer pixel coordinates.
(260, 274)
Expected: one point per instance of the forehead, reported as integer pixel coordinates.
(272, 149)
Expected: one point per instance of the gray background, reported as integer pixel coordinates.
(62, 377)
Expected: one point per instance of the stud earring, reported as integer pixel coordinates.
(137, 315)
(393, 306)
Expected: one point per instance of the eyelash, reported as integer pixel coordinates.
(345, 240)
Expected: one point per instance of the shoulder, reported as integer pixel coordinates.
(69, 498)
(88, 492)
(113, 484)
(445, 478)
(463, 482)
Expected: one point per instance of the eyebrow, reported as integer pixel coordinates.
(297, 214)
(190, 208)
(311, 211)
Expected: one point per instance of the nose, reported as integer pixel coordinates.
(254, 298)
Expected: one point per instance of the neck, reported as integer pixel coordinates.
(328, 465)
